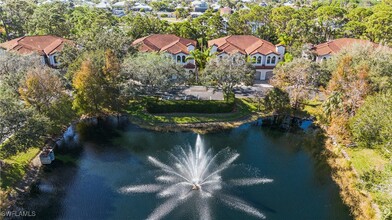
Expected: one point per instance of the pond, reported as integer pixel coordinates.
(84, 183)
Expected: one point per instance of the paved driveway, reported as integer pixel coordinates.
(208, 93)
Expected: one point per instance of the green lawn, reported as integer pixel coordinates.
(244, 108)
(375, 172)
(16, 167)
(365, 159)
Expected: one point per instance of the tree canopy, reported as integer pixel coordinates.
(149, 73)
(228, 72)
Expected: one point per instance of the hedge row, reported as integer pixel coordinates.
(190, 106)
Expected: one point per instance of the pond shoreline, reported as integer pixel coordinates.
(198, 127)
(345, 176)
(201, 128)
(15, 195)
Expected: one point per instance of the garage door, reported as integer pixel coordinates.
(257, 75)
(262, 75)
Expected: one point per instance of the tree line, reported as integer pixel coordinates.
(356, 85)
(313, 23)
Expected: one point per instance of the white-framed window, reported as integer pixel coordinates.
(258, 60)
(273, 60)
(178, 59)
(183, 59)
(268, 60)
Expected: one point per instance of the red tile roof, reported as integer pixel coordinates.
(164, 43)
(244, 44)
(43, 45)
(335, 46)
(225, 11)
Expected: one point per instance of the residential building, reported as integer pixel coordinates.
(47, 46)
(215, 7)
(225, 11)
(104, 5)
(119, 8)
(200, 6)
(264, 54)
(325, 50)
(177, 48)
(141, 7)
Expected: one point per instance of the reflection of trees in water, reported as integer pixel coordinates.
(100, 129)
(314, 144)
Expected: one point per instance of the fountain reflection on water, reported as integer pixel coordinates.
(196, 173)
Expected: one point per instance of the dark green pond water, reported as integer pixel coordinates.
(84, 184)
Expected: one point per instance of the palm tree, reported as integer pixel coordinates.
(334, 102)
(201, 57)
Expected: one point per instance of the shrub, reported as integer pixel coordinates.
(277, 101)
(190, 106)
(371, 126)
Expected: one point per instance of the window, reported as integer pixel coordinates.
(183, 59)
(273, 60)
(258, 60)
(55, 60)
(178, 59)
(268, 60)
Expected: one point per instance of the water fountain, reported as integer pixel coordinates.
(196, 174)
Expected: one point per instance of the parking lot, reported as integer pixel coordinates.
(209, 93)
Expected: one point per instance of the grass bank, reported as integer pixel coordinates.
(13, 171)
(374, 171)
(364, 175)
(15, 167)
(242, 111)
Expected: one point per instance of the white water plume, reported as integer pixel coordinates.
(196, 175)
(249, 181)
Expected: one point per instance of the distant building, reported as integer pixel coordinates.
(177, 48)
(200, 6)
(47, 46)
(195, 14)
(225, 11)
(325, 50)
(264, 54)
(141, 7)
(215, 7)
(119, 8)
(263, 4)
(86, 4)
(104, 5)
